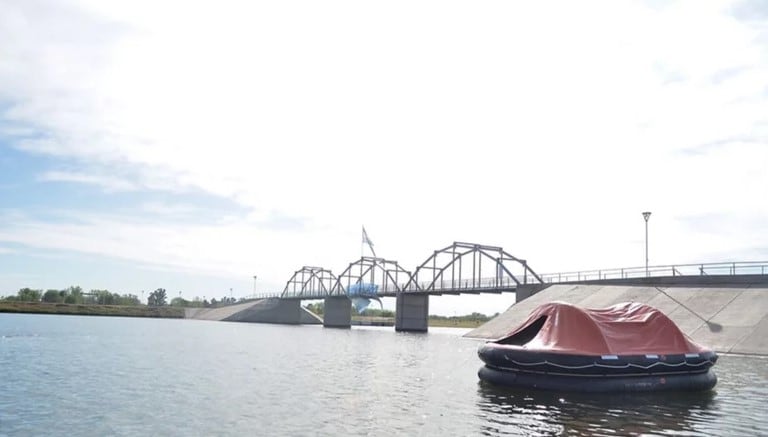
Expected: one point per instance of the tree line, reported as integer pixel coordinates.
(473, 317)
(319, 308)
(77, 296)
(204, 303)
(73, 295)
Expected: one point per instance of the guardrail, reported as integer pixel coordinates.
(261, 296)
(448, 284)
(701, 269)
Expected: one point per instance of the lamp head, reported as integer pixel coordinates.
(646, 215)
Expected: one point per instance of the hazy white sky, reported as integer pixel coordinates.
(193, 145)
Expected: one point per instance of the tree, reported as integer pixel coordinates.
(30, 295)
(74, 294)
(375, 312)
(196, 302)
(128, 299)
(179, 302)
(157, 298)
(52, 296)
(317, 308)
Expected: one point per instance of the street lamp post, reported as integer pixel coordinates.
(254, 285)
(646, 216)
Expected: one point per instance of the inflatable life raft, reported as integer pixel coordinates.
(628, 347)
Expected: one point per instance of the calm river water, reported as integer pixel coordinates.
(69, 375)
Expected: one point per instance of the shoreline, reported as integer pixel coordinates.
(431, 322)
(91, 310)
(167, 312)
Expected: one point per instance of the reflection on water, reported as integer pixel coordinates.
(729, 409)
(544, 413)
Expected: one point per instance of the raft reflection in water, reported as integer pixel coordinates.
(569, 413)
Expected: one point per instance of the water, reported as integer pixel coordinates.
(69, 375)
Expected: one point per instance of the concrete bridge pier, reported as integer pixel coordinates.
(525, 291)
(412, 312)
(337, 312)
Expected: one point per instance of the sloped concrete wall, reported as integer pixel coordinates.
(728, 319)
(217, 313)
(260, 311)
(310, 318)
(270, 311)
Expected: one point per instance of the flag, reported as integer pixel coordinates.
(366, 240)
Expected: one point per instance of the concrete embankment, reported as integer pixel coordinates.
(258, 311)
(729, 319)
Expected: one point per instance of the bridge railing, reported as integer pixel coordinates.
(701, 269)
(493, 283)
(266, 295)
(464, 284)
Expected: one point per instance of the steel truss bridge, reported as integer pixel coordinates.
(471, 268)
(458, 268)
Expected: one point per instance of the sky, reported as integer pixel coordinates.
(195, 145)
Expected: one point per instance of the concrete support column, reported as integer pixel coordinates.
(412, 312)
(528, 290)
(337, 312)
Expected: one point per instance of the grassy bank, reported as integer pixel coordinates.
(91, 310)
(447, 323)
(373, 321)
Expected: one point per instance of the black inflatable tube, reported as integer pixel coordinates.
(595, 384)
(503, 357)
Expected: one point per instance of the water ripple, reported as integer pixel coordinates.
(110, 376)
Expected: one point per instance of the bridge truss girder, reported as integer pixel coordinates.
(310, 282)
(446, 269)
(388, 275)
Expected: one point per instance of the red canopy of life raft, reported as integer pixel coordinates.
(623, 329)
